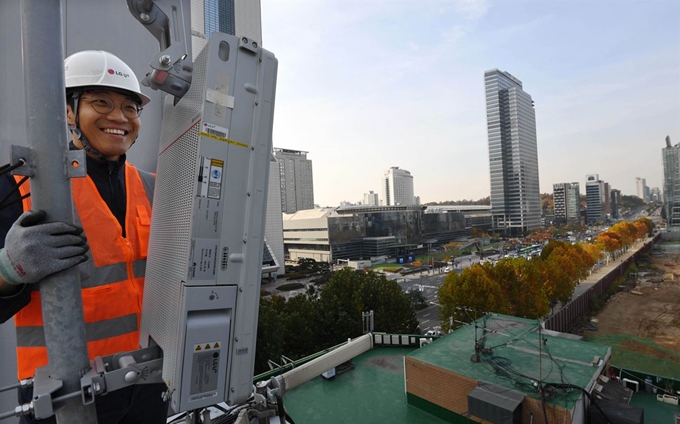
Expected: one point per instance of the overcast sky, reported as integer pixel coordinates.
(364, 85)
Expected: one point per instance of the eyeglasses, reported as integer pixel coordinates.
(104, 105)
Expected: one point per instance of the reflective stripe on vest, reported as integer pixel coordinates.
(34, 336)
(112, 279)
(92, 276)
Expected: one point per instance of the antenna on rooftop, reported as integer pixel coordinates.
(478, 340)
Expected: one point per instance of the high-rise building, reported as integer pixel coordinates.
(397, 187)
(615, 200)
(594, 199)
(655, 194)
(671, 185)
(566, 203)
(273, 231)
(607, 200)
(513, 154)
(370, 199)
(641, 187)
(297, 183)
(574, 203)
(235, 17)
(560, 202)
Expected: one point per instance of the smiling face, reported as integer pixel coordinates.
(111, 133)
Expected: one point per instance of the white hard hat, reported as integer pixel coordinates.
(97, 68)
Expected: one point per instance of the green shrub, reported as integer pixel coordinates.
(290, 286)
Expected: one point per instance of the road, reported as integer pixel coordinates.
(428, 283)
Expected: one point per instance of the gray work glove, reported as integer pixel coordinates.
(34, 249)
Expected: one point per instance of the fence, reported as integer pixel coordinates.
(571, 314)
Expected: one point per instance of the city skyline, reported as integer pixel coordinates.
(363, 87)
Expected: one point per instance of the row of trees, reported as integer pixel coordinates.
(622, 235)
(529, 288)
(317, 320)
(482, 201)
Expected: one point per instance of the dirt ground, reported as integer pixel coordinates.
(648, 308)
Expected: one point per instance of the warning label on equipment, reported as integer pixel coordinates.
(205, 367)
(210, 177)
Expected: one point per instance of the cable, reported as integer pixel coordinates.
(585, 392)
(5, 415)
(10, 387)
(9, 167)
(3, 201)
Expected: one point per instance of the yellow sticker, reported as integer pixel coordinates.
(223, 139)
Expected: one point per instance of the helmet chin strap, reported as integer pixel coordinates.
(79, 134)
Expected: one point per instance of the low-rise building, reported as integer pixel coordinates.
(364, 232)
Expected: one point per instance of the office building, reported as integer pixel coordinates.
(371, 199)
(273, 232)
(655, 194)
(574, 203)
(594, 199)
(641, 188)
(566, 201)
(397, 187)
(671, 185)
(615, 200)
(364, 232)
(297, 183)
(560, 202)
(607, 200)
(513, 154)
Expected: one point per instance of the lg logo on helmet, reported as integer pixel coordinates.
(120, 74)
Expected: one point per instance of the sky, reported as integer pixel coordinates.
(364, 85)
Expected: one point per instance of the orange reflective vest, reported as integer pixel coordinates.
(112, 279)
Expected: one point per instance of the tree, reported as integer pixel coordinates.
(593, 250)
(270, 338)
(610, 241)
(417, 299)
(522, 288)
(468, 296)
(477, 232)
(648, 223)
(547, 202)
(349, 293)
(630, 202)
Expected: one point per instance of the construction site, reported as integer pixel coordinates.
(641, 321)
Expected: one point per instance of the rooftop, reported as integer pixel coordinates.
(373, 392)
(514, 357)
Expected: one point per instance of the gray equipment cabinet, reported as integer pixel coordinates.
(202, 287)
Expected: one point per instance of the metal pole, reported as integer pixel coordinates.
(62, 305)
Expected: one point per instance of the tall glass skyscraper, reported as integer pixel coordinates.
(235, 17)
(513, 154)
(671, 185)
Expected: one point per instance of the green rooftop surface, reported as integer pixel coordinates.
(515, 346)
(373, 392)
(662, 362)
(655, 411)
